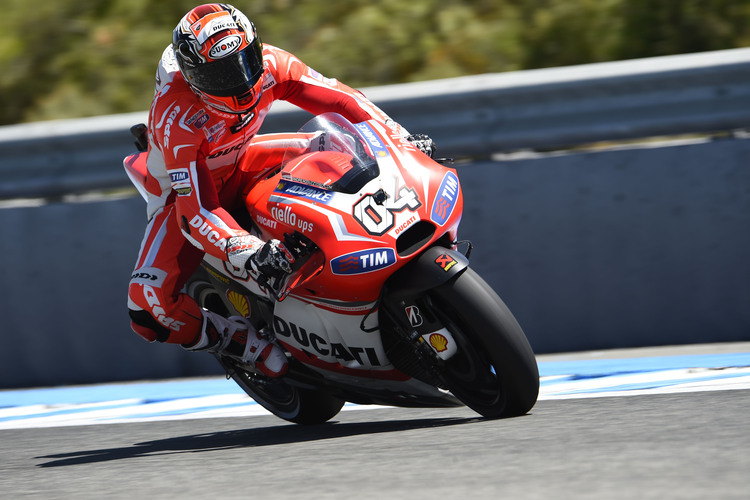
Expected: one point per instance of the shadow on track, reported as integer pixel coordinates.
(245, 438)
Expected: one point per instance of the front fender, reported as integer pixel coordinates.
(433, 267)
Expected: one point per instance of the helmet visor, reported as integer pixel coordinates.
(230, 76)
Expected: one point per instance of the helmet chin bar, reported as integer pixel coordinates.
(231, 104)
(223, 104)
(243, 120)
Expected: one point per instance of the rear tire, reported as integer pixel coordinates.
(494, 371)
(295, 404)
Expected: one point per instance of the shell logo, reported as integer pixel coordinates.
(439, 342)
(239, 302)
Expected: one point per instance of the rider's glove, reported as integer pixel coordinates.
(273, 259)
(270, 258)
(423, 143)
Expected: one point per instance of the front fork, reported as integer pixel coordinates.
(417, 324)
(410, 310)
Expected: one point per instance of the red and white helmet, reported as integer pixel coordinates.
(220, 56)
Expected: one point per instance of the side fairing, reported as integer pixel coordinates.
(334, 339)
(362, 233)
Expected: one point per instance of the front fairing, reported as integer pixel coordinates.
(367, 199)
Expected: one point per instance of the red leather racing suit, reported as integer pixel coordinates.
(200, 164)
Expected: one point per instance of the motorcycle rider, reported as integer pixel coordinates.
(214, 86)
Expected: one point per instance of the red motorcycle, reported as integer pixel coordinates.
(382, 307)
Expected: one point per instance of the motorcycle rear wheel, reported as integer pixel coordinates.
(291, 403)
(494, 371)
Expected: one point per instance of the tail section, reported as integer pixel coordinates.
(135, 167)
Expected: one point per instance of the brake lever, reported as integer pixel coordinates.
(299, 245)
(265, 285)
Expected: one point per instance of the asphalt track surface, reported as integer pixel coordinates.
(680, 445)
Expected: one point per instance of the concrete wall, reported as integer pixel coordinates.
(617, 249)
(591, 250)
(63, 315)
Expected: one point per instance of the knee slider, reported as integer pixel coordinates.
(147, 327)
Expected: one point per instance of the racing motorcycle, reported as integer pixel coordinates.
(382, 306)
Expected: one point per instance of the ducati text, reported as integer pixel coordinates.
(365, 356)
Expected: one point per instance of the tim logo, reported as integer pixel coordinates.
(201, 120)
(444, 204)
(364, 261)
(179, 175)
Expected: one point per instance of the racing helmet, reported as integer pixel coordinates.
(220, 56)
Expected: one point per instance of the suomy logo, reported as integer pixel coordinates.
(225, 46)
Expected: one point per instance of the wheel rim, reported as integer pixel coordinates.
(275, 395)
(470, 375)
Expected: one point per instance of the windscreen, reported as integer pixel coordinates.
(343, 160)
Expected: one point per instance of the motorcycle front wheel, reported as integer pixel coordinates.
(494, 371)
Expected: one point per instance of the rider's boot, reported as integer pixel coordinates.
(236, 337)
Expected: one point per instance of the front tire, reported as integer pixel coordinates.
(494, 371)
